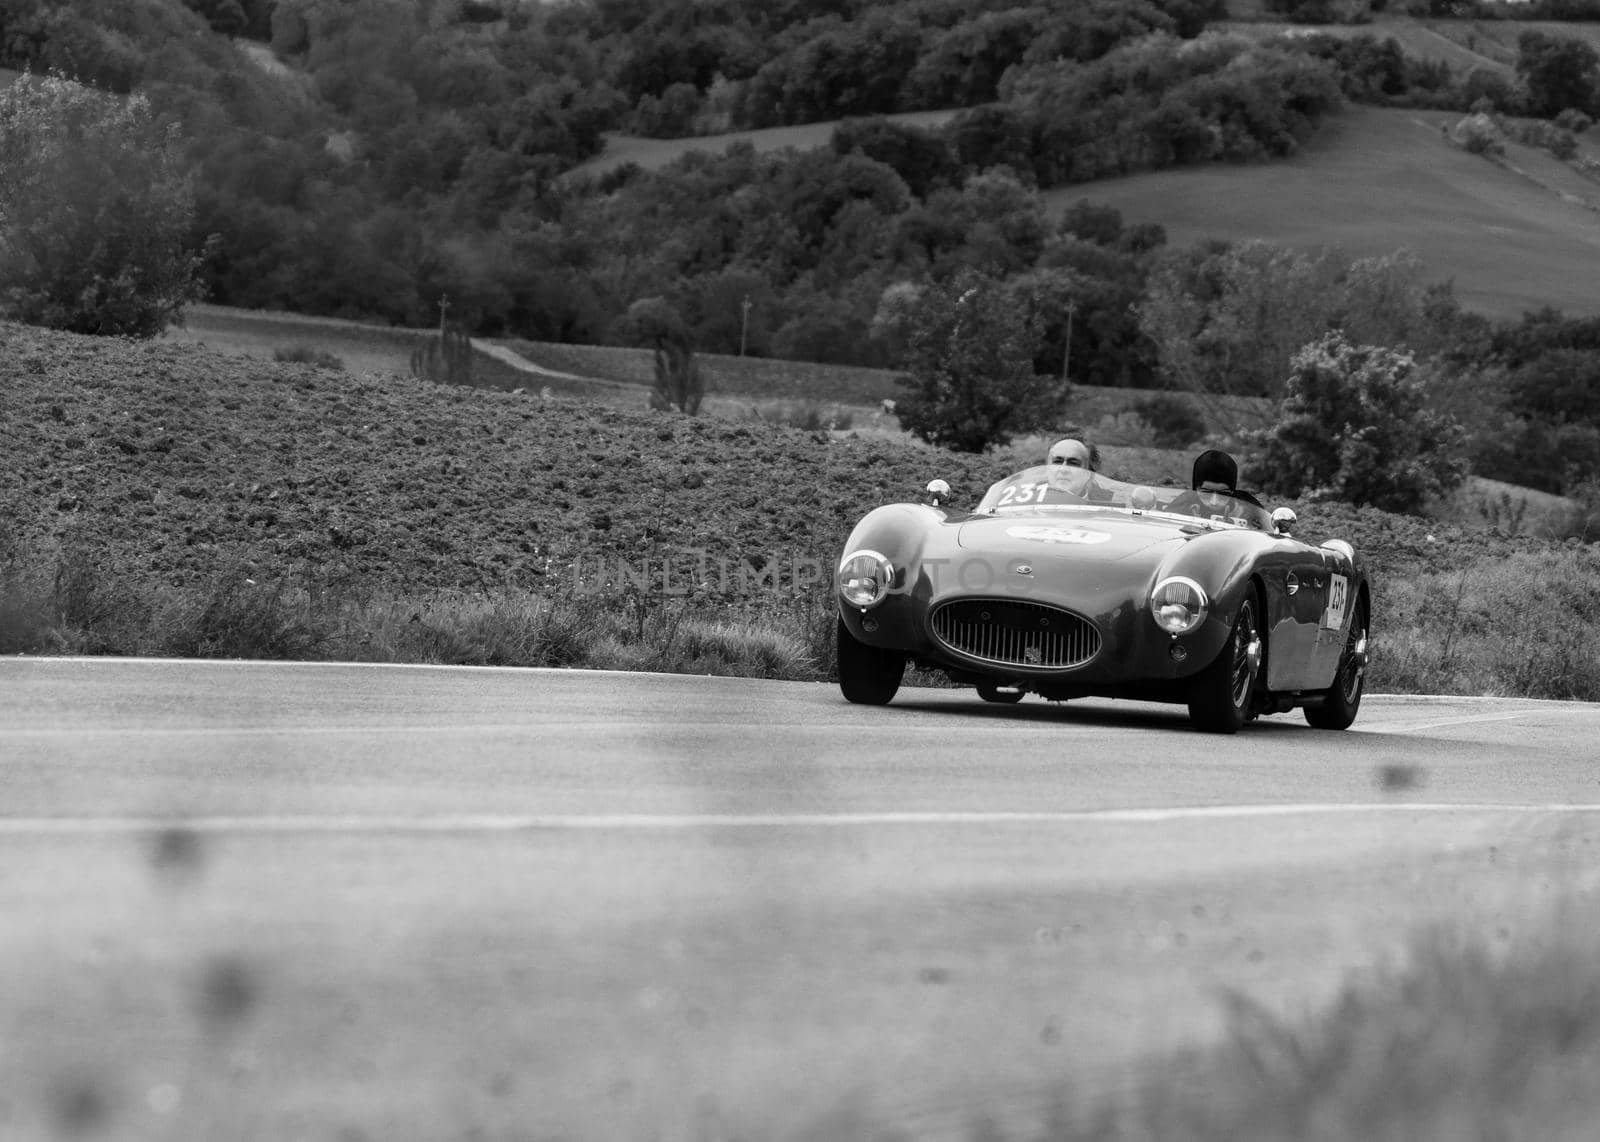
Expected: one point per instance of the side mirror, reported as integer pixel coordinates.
(938, 492)
(1283, 520)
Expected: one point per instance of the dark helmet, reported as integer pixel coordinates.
(1215, 467)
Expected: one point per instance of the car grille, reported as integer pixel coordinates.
(1015, 633)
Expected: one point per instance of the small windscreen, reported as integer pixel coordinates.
(1050, 488)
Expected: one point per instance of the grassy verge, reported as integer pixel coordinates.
(71, 604)
(1527, 625)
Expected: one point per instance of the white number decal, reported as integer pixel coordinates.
(1021, 494)
(1338, 598)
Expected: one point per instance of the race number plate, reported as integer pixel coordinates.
(1338, 601)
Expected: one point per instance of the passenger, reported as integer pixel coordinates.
(1214, 488)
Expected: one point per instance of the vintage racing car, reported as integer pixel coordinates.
(1065, 583)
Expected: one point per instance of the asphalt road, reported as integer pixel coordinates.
(327, 901)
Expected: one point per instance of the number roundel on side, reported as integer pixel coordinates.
(1338, 602)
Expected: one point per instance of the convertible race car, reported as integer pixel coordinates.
(1066, 584)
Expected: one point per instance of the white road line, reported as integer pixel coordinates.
(1412, 727)
(986, 726)
(650, 729)
(658, 822)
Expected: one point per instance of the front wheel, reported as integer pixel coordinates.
(1221, 697)
(868, 675)
(1343, 698)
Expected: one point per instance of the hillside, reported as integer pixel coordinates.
(1512, 236)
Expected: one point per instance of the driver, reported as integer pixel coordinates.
(1074, 453)
(1072, 466)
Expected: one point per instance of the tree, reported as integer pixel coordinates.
(1557, 73)
(923, 158)
(1228, 318)
(1355, 427)
(654, 322)
(969, 356)
(95, 207)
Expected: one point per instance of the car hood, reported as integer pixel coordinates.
(1102, 537)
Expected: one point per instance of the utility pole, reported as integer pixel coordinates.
(1066, 353)
(744, 323)
(444, 306)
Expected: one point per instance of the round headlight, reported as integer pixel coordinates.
(865, 578)
(1178, 605)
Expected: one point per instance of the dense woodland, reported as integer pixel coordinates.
(369, 158)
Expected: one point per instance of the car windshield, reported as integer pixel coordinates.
(1063, 488)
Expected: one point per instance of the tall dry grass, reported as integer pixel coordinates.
(1465, 1039)
(1527, 625)
(70, 603)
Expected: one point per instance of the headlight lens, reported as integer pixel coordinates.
(865, 578)
(1178, 605)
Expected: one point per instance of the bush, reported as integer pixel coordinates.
(1173, 421)
(95, 208)
(1574, 120)
(1478, 135)
(306, 355)
(1354, 427)
(1483, 90)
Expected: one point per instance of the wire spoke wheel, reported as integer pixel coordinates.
(1342, 700)
(1222, 698)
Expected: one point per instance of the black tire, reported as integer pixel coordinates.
(1343, 699)
(868, 675)
(1222, 696)
(991, 692)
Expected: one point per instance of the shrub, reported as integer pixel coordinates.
(1478, 135)
(1354, 427)
(1574, 121)
(446, 358)
(238, 617)
(1173, 421)
(1484, 90)
(808, 415)
(95, 208)
(306, 355)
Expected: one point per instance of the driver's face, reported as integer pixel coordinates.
(1069, 477)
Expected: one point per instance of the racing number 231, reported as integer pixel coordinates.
(1022, 494)
(1338, 599)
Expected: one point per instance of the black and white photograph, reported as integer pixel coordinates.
(799, 571)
